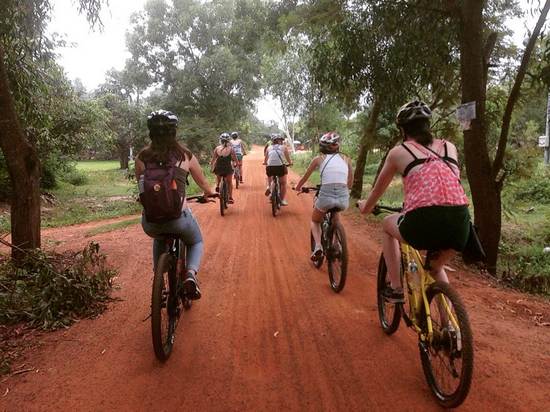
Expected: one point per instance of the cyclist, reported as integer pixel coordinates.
(240, 151)
(435, 214)
(276, 159)
(336, 175)
(221, 164)
(162, 127)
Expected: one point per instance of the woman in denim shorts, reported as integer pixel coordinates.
(336, 179)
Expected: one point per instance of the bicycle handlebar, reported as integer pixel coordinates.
(306, 189)
(383, 208)
(202, 198)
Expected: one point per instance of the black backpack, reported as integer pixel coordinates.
(159, 191)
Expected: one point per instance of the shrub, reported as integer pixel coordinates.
(75, 177)
(52, 291)
(536, 190)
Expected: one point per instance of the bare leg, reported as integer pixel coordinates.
(438, 265)
(316, 219)
(283, 180)
(229, 182)
(390, 247)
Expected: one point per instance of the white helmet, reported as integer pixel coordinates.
(329, 138)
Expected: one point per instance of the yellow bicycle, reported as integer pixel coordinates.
(434, 310)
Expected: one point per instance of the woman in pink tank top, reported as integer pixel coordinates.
(435, 214)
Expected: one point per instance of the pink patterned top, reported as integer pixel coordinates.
(435, 183)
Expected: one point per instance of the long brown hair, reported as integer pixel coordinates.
(163, 144)
(419, 130)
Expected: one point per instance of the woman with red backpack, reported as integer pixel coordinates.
(161, 170)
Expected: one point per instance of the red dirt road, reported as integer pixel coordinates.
(269, 334)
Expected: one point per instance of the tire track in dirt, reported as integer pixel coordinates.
(269, 334)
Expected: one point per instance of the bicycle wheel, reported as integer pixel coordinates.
(163, 307)
(388, 313)
(222, 197)
(448, 361)
(337, 257)
(275, 199)
(319, 262)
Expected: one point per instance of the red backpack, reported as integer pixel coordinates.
(159, 191)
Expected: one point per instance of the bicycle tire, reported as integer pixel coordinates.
(236, 182)
(454, 345)
(162, 341)
(337, 283)
(319, 262)
(274, 199)
(388, 321)
(222, 197)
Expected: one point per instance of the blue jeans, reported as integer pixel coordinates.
(187, 228)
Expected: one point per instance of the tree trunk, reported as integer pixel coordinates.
(364, 147)
(24, 171)
(123, 146)
(473, 70)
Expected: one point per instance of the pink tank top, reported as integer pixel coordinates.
(433, 183)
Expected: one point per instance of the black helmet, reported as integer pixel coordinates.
(234, 135)
(412, 111)
(162, 118)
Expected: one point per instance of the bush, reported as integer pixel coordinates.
(76, 178)
(52, 291)
(536, 190)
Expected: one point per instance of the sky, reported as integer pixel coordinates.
(96, 52)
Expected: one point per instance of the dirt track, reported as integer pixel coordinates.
(269, 334)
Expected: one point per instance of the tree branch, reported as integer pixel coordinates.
(514, 95)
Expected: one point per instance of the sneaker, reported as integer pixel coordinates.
(317, 254)
(241, 180)
(217, 189)
(393, 295)
(284, 203)
(230, 201)
(267, 191)
(191, 286)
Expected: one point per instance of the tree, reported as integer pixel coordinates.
(205, 57)
(486, 176)
(24, 53)
(369, 56)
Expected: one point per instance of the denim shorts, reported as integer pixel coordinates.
(332, 196)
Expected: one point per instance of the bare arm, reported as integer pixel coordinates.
(287, 156)
(312, 166)
(214, 158)
(139, 168)
(198, 176)
(350, 173)
(384, 179)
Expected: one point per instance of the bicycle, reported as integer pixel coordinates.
(335, 249)
(275, 196)
(224, 196)
(434, 310)
(168, 299)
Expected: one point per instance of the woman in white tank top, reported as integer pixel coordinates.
(276, 159)
(336, 179)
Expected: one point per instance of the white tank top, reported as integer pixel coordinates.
(275, 155)
(334, 169)
(237, 146)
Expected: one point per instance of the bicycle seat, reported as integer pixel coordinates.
(334, 210)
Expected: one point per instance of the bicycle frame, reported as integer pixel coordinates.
(418, 298)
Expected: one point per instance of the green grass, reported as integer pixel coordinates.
(106, 192)
(97, 165)
(112, 227)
